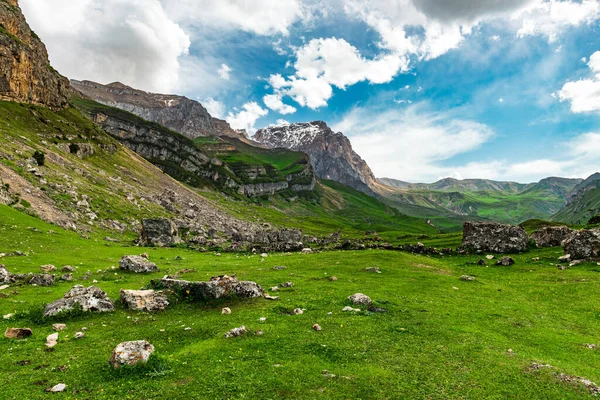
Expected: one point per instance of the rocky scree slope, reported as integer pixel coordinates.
(330, 153)
(177, 113)
(583, 202)
(25, 72)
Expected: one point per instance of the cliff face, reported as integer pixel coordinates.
(331, 153)
(25, 72)
(178, 113)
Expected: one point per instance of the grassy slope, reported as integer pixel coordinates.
(582, 211)
(335, 207)
(435, 341)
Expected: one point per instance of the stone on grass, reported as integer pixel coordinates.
(307, 251)
(144, 300)
(287, 284)
(297, 311)
(61, 387)
(269, 297)
(482, 263)
(42, 280)
(59, 327)
(350, 309)
(279, 267)
(52, 340)
(4, 287)
(8, 316)
(79, 335)
(235, 332)
(316, 327)
(373, 269)
(275, 289)
(467, 278)
(47, 268)
(66, 277)
(68, 268)
(360, 299)
(131, 353)
(137, 264)
(90, 299)
(583, 244)
(226, 311)
(18, 333)
(550, 236)
(494, 237)
(565, 258)
(505, 261)
(159, 232)
(264, 255)
(490, 257)
(333, 278)
(217, 288)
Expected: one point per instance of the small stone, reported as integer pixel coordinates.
(59, 327)
(373, 269)
(279, 267)
(297, 311)
(591, 346)
(18, 333)
(47, 268)
(350, 309)
(137, 264)
(58, 388)
(467, 278)
(307, 251)
(235, 332)
(275, 289)
(259, 333)
(316, 327)
(79, 335)
(535, 259)
(52, 340)
(490, 257)
(576, 262)
(287, 284)
(264, 255)
(482, 262)
(333, 278)
(269, 297)
(131, 353)
(505, 261)
(226, 310)
(4, 287)
(144, 300)
(360, 299)
(68, 268)
(187, 328)
(262, 319)
(8, 316)
(565, 258)
(66, 277)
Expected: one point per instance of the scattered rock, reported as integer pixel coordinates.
(144, 300)
(350, 309)
(583, 244)
(275, 289)
(42, 280)
(226, 311)
(333, 278)
(482, 263)
(297, 311)
(490, 257)
(66, 277)
(47, 268)
(137, 264)
(307, 251)
(159, 232)
(68, 268)
(591, 346)
(316, 327)
(551, 236)
(8, 316)
(61, 387)
(131, 353)
(79, 335)
(287, 284)
(535, 259)
(467, 278)
(262, 319)
(18, 333)
(576, 262)
(505, 261)
(279, 267)
(217, 288)
(264, 255)
(494, 237)
(235, 332)
(566, 258)
(373, 269)
(4, 287)
(90, 299)
(52, 340)
(360, 299)
(59, 327)
(269, 297)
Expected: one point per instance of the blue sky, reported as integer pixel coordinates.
(425, 89)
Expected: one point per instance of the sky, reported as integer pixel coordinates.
(424, 89)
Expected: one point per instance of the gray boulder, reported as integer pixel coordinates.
(551, 236)
(90, 299)
(144, 300)
(494, 237)
(583, 244)
(217, 288)
(505, 262)
(4, 275)
(42, 280)
(137, 264)
(131, 353)
(360, 299)
(159, 232)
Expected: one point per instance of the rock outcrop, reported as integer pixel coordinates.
(137, 264)
(217, 288)
(131, 353)
(144, 300)
(331, 153)
(159, 232)
(178, 113)
(551, 236)
(25, 72)
(90, 299)
(494, 237)
(583, 244)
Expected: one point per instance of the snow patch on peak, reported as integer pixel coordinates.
(291, 136)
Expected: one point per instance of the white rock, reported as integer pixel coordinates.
(490, 257)
(59, 327)
(350, 309)
(52, 340)
(58, 388)
(262, 319)
(360, 299)
(264, 255)
(79, 335)
(131, 353)
(226, 310)
(9, 316)
(298, 311)
(235, 332)
(4, 287)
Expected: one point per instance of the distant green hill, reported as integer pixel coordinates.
(583, 202)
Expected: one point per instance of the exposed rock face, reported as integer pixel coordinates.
(330, 153)
(90, 299)
(178, 113)
(583, 244)
(131, 353)
(217, 288)
(144, 300)
(551, 236)
(159, 232)
(137, 264)
(494, 237)
(25, 72)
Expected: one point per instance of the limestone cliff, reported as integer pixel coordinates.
(25, 72)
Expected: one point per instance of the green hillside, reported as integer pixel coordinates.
(582, 210)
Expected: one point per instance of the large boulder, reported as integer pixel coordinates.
(494, 237)
(131, 353)
(4, 275)
(17, 333)
(159, 232)
(138, 264)
(550, 236)
(144, 300)
(90, 299)
(360, 299)
(42, 280)
(583, 244)
(217, 288)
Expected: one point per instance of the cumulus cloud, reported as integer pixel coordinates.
(584, 94)
(274, 102)
(224, 71)
(247, 117)
(133, 41)
(214, 107)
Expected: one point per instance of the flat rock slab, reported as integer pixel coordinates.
(144, 300)
(137, 264)
(18, 333)
(90, 299)
(217, 288)
(131, 353)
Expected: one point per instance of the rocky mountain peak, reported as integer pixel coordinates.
(330, 152)
(25, 72)
(178, 113)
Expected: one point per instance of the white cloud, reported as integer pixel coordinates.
(224, 71)
(214, 107)
(262, 17)
(247, 117)
(274, 102)
(584, 94)
(132, 41)
(550, 18)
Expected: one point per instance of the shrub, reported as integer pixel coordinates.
(39, 157)
(595, 220)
